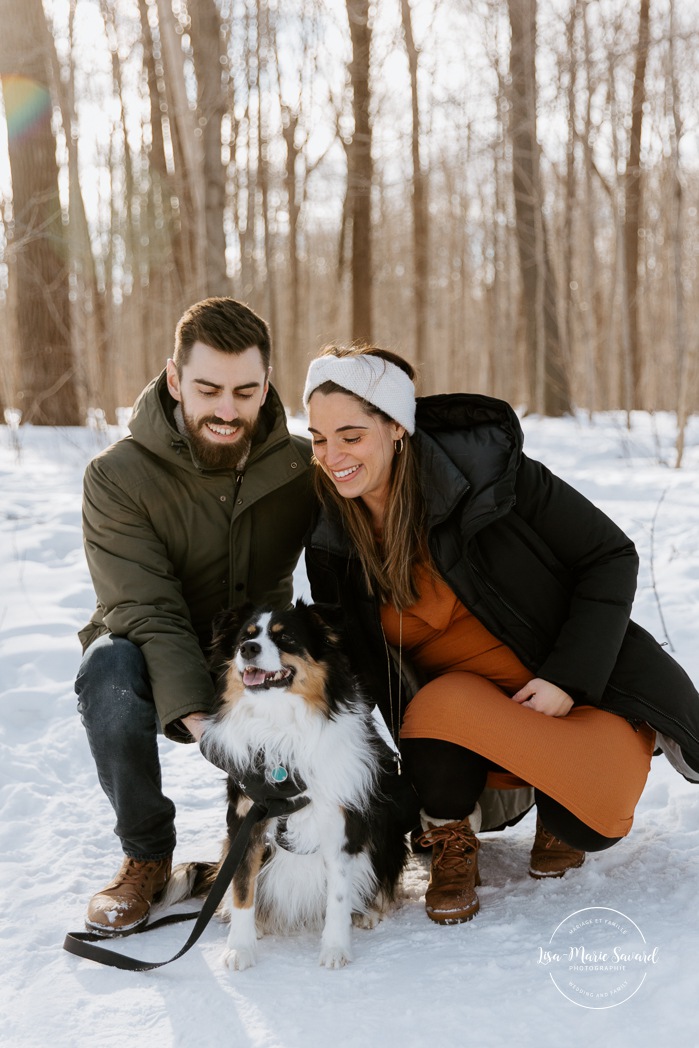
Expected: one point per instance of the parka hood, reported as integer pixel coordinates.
(462, 410)
(467, 444)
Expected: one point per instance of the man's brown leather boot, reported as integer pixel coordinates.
(124, 905)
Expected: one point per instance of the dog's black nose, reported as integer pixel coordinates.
(249, 649)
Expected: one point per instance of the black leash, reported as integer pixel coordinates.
(81, 943)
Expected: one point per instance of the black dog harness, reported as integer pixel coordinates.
(277, 799)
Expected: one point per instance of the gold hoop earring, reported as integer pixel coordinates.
(398, 445)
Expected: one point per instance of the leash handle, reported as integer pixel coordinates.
(81, 943)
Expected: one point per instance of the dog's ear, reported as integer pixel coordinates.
(331, 615)
(225, 627)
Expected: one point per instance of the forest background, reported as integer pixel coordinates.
(506, 191)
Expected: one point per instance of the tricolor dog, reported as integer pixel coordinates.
(291, 711)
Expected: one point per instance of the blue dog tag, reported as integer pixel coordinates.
(279, 774)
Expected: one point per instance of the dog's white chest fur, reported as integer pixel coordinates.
(313, 880)
(291, 711)
(332, 757)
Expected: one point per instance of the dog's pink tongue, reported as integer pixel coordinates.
(252, 676)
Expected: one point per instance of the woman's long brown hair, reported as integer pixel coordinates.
(389, 562)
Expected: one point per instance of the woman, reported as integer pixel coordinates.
(510, 594)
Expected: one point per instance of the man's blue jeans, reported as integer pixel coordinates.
(116, 705)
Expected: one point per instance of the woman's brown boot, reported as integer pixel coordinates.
(551, 857)
(451, 893)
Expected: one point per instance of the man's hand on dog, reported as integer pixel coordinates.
(195, 724)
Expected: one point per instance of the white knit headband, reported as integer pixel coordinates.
(371, 378)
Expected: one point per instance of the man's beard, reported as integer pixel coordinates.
(211, 455)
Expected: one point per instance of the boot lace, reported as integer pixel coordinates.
(138, 872)
(547, 839)
(452, 846)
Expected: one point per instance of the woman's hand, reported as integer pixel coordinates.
(544, 697)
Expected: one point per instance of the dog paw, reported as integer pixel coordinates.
(368, 920)
(239, 959)
(335, 956)
(376, 910)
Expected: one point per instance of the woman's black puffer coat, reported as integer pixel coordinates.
(541, 567)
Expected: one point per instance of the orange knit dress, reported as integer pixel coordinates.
(592, 762)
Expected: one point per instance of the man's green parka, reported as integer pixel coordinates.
(169, 544)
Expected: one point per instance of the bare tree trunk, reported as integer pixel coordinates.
(590, 306)
(48, 395)
(232, 204)
(88, 313)
(617, 298)
(129, 222)
(569, 210)
(633, 200)
(685, 351)
(263, 167)
(290, 120)
(188, 163)
(208, 52)
(248, 177)
(420, 207)
(9, 337)
(504, 363)
(344, 236)
(291, 81)
(160, 261)
(360, 170)
(549, 383)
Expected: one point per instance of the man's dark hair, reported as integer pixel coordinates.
(223, 324)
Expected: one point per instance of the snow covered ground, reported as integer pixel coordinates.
(412, 983)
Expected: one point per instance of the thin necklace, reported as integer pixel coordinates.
(396, 752)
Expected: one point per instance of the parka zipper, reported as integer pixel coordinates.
(650, 706)
(501, 599)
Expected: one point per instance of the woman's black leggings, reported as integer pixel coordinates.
(449, 780)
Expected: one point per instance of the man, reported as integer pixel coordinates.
(204, 506)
